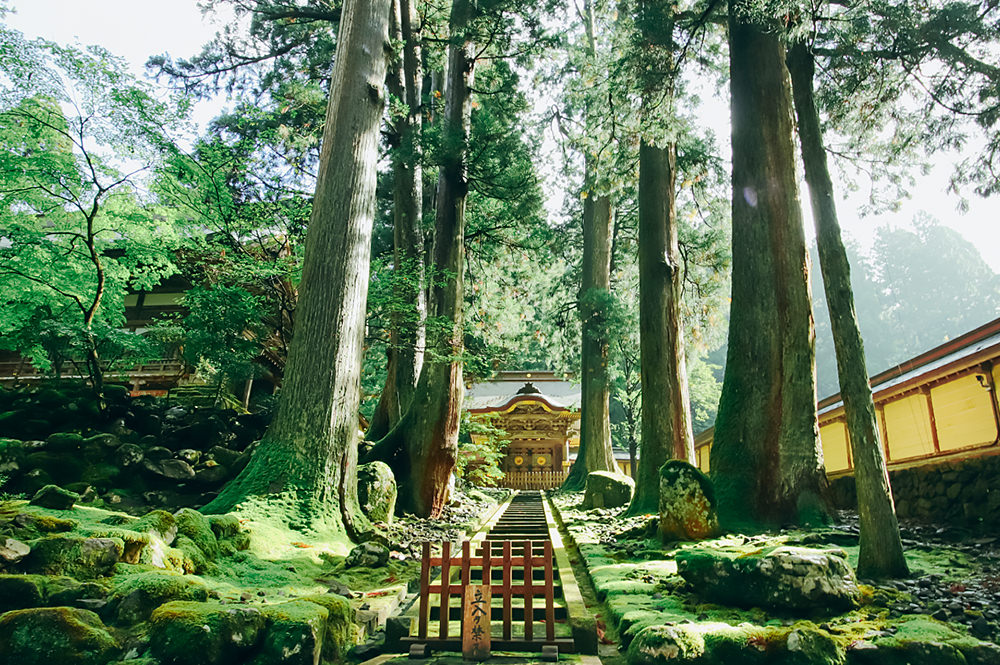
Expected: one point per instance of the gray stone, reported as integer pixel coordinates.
(128, 454)
(377, 491)
(784, 578)
(54, 497)
(171, 469)
(367, 555)
(607, 490)
(13, 551)
(687, 503)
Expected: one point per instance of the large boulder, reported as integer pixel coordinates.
(83, 558)
(192, 633)
(607, 490)
(49, 635)
(20, 591)
(781, 578)
(294, 635)
(138, 595)
(687, 503)
(54, 497)
(377, 491)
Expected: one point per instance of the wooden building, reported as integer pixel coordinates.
(941, 405)
(540, 412)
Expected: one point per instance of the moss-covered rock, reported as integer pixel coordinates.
(83, 558)
(377, 491)
(197, 527)
(687, 503)
(55, 635)
(782, 578)
(136, 596)
(191, 633)
(194, 560)
(20, 591)
(339, 626)
(607, 490)
(64, 442)
(294, 634)
(224, 526)
(656, 645)
(55, 498)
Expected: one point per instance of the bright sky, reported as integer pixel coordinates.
(137, 29)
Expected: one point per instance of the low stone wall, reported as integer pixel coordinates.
(964, 493)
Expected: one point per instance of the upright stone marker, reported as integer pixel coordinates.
(476, 623)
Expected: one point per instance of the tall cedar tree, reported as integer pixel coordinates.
(881, 548)
(409, 312)
(766, 458)
(666, 407)
(305, 468)
(595, 452)
(426, 437)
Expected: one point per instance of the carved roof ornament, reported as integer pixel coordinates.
(529, 389)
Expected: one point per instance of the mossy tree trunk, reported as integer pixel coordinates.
(409, 307)
(304, 471)
(766, 457)
(595, 453)
(423, 445)
(881, 552)
(666, 406)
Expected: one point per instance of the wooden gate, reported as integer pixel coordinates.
(494, 559)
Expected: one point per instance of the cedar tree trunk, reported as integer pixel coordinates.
(595, 452)
(881, 549)
(766, 459)
(409, 308)
(423, 446)
(304, 471)
(666, 407)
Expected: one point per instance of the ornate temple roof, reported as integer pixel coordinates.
(506, 389)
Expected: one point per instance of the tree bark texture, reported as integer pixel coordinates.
(304, 471)
(766, 460)
(666, 406)
(407, 334)
(423, 446)
(881, 552)
(595, 452)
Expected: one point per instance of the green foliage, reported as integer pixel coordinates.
(76, 132)
(219, 333)
(481, 447)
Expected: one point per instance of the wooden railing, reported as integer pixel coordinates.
(533, 480)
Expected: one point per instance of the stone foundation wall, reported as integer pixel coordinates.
(963, 493)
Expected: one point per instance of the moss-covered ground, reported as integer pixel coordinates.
(164, 563)
(635, 577)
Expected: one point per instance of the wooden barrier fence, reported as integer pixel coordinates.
(531, 556)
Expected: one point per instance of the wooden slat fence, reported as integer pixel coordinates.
(508, 556)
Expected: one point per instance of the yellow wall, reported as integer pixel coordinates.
(908, 426)
(703, 454)
(833, 436)
(963, 414)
